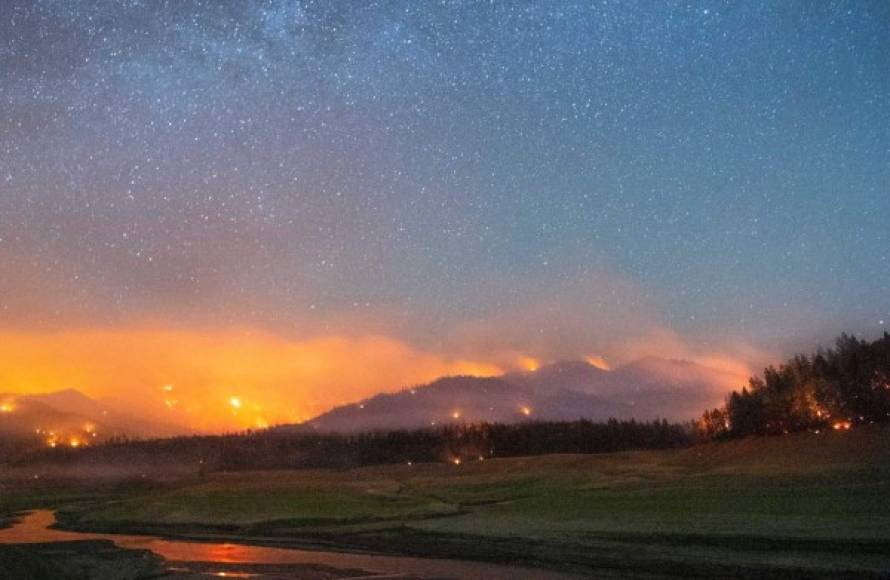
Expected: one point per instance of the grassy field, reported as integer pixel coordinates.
(813, 504)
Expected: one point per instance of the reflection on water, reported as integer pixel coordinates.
(35, 528)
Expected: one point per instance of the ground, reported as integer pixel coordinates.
(805, 504)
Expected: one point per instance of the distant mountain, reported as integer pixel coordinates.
(568, 390)
(69, 417)
(462, 399)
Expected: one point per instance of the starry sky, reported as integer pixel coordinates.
(424, 187)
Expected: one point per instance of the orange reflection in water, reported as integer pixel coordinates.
(35, 527)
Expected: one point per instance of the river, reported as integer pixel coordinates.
(36, 527)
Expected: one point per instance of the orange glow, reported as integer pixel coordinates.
(287, 378)
(235, 403)
(529, 364)
(842, 426)
(525, 410)
(74, 442)
(7, 407)
(455, 415)
(599, 362)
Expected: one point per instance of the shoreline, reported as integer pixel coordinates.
(604, 556)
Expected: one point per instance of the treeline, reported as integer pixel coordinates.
(834, 388)
(288, 449)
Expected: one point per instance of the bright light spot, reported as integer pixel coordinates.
(842, 426)
(599, 362)
(168, 388)
(529, 364)
(170, 403)
(89, 428)
(235, 403)
(456, 461)
(455, 415)
(74, 442)
(7, 407)
(525, 411)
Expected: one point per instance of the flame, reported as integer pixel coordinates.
(235, 403)
(842, 426)
(289, 376)
(598, 362)
(7, 407)
(529, 364)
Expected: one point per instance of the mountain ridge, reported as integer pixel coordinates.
(650, 388)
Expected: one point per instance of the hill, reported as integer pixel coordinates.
(565, 391)
(65, 418)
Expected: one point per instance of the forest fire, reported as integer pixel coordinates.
(598, 362)
(529, 364)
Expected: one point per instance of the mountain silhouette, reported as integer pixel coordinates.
(567, 390)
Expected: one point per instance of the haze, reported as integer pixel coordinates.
(295, 206)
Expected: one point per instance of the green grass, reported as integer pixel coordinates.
(251, 498)
(801, 502)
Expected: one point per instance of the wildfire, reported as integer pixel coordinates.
(529, 364)
(599, 362)
(842, 426)
(7, 407)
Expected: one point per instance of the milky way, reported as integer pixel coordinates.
(562, 173)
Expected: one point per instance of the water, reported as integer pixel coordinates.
(35, 527)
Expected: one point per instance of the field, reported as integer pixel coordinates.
(811, 504)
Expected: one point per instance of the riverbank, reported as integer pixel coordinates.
(806, 504)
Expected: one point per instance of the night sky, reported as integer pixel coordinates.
(465, 181)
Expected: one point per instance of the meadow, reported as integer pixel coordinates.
(804, 504)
